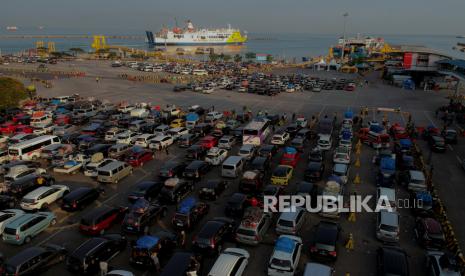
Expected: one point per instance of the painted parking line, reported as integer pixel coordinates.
(428, 117)
(50, 237)
(450, 147)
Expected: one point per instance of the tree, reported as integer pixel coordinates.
(269, 58)
(11, 92)
(237, 58)
(111, 55)
(227, 58)
(76, 50)
(250, 55)
(221, 56)
(213, 57)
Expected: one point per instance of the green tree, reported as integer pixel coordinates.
(11, 92)
(76, 50)
(227, 58)
(237, 58)
(213, 57)
(250, 55)
(112, 55)
(269, 58)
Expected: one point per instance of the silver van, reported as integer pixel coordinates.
(290, 222)
(387, 226)
(232, 167)
(231, 262)
(118, 150)
(389, 194)
(177, 132)
(113, 172)
(253, 227)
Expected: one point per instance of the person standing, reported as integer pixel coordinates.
(103, 268)
(167, 151)
(156, 261)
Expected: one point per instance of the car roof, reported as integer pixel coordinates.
(96, 213)
(88, 246)
(393, 259)
(290, 216)
(25, 255)
(389, 218)
(210, 228)
(21, 219)
(37, 192)
(326, 232)
(177, 264)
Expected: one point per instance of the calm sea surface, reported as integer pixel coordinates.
(281, 45)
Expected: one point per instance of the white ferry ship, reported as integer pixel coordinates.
(193, 36)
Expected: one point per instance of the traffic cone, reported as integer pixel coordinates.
(358, 150)
(357, 179)
(359, 143)
(357, 162)
(350, 242)
(352, 217)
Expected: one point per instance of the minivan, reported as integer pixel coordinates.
(232, 262)
(177, 132)
(290, 222)
(317, 269)
(232, 167)
(113, 172)
(175, 189)
(253, 227)
(79, 198)
(187, 140)
(387, 226)
(22, 229)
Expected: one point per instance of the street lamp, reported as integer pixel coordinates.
(346, 14)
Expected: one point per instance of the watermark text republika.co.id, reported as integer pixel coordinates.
(340, 204)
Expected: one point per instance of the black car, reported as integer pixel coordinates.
(304, 133)
(175, 189)
(314, 171)
(196, 169)
(236, 205)
(261, 164)
(87, 257)
(34, 260)
(24, 185)
(324, 244)
(180, 264)
(450, 136)
(202, 129)
(392, 261)
(145, 189)
(212, 189)
(437, 143)
(179, 88)
(274, 118)
(267, 151)
(172, 169)
(187, 140)
(293, 129)
(316, 155)
(102, 148)
(162, 242)
(308, 189)
(196, 152)
(141, 216)
(237, 132)
(213, 234)
(79, 198)
(7, 202)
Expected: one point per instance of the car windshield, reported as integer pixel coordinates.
(280, 263)
(280, 172)
(245, 232)
(388, 228)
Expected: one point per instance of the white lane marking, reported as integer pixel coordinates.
(450, 147)
(112, 197)
(50, 237)
(458, 159)
(428, 117)
(322, 110)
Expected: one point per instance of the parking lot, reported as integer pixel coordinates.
(359, 261)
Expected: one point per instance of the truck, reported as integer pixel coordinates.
(73, 165)
(191, 120)
(139, 113)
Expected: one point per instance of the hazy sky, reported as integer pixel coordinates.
(264, 16)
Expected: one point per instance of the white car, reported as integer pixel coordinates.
(143, 140)
(8, 215)
(111, 134)
(285, 257)
(42, 129)
(216, 156)
(214, 115)
(280, 138)
(345, 143)
(342, 158)
(247, 151)
(207, 90)
(161, 142)
(21, 171)
(4, 139)
(226, 142)
(301, 121)
(42, 197)
(161, 130)
(324, 142)
(127, 137)
(91, 168)
(232, 261)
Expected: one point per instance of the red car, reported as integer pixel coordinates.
(138, 156)
(350, 87)
(101, 219)
(62, 120)
(20, 117)
(290, 157)
(398, 132)
(23, 129)
(8, 128)
(209, 142)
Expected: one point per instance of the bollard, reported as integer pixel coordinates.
(357, 179)
(352, 217)
(357, 162)
(350, 242)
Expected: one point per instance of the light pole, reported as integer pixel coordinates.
(346, 14)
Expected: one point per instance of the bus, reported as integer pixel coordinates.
(256, 132)
(30, 149)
